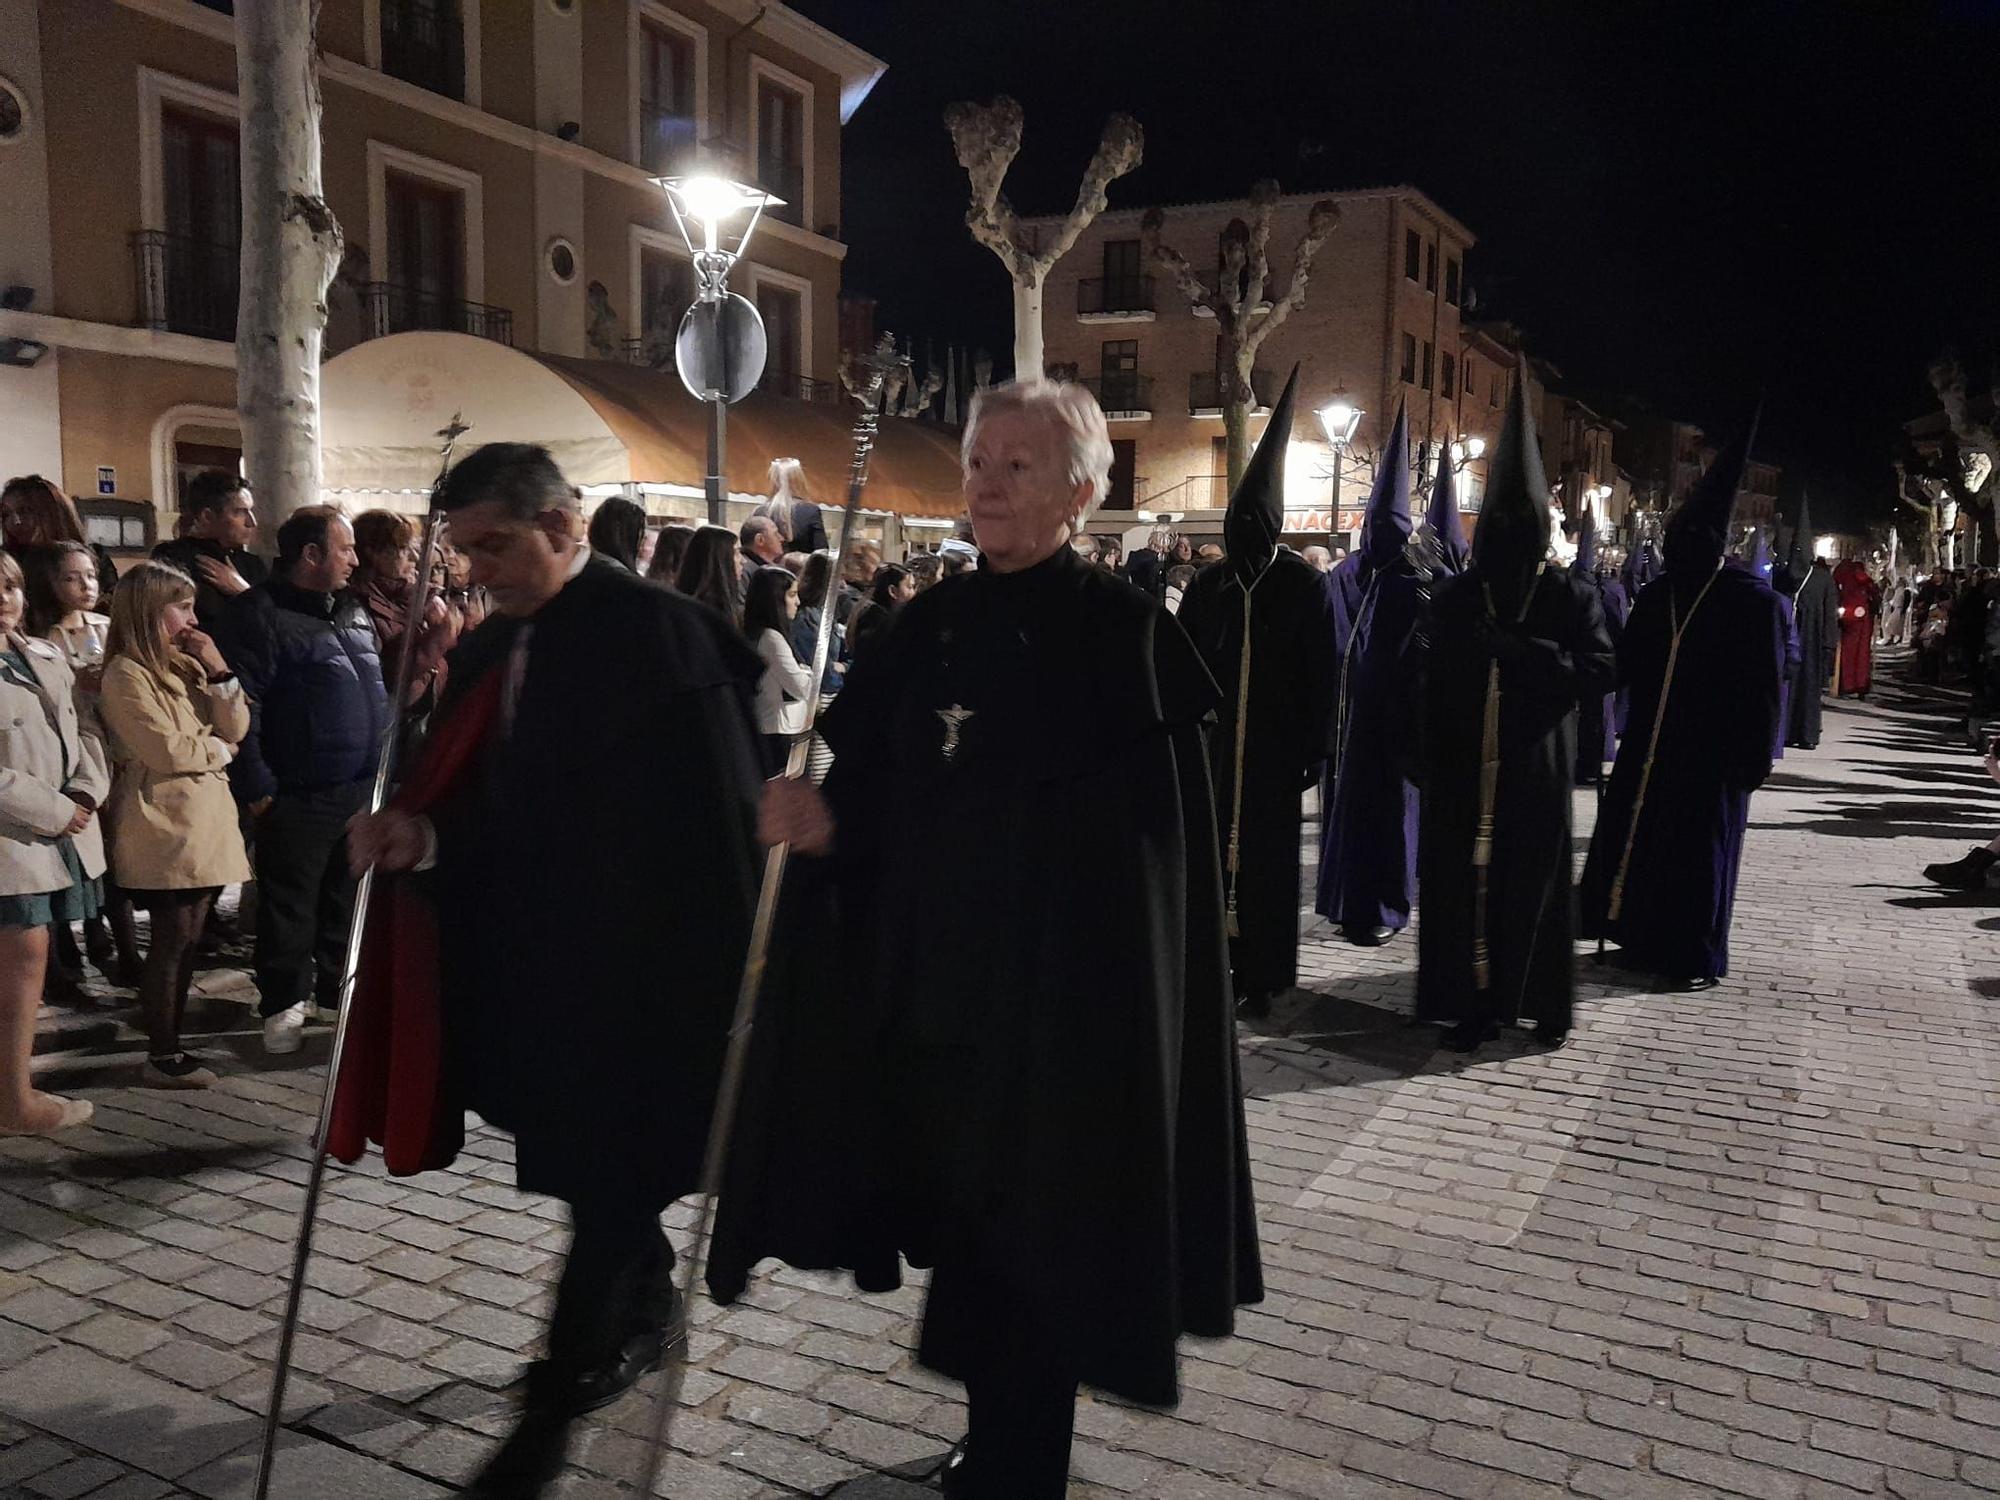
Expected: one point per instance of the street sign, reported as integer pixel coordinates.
(107, 480)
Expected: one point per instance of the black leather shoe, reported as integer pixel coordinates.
(567, 1395)
(1367, 937)
(1550, 1035)
(528, 1463)
(1967, 874)
(1468, 1036)
(957, 1482)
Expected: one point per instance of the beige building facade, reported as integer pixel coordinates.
(490, 162)
(1381, 325)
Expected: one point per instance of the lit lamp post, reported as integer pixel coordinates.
(721, 347)
(1463, 453)
(1338, 419)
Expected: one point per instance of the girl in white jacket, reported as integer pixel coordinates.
(769, 603)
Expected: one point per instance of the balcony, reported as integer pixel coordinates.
(666, 138)
(799, 387)
(1125, 397)
(1206, 391)
(400, 309)
(423, 42)
(186, 285)
(1121, 299)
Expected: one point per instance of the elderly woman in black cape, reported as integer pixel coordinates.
(1021, 1070)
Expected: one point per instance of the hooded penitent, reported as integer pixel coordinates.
(1816, 608)
(1513, 532)
(1385, 524)
(1256, 515)
(1441, 517)
(1261, 620)
(1597, 713)
(1586, 543)
(1704, 659)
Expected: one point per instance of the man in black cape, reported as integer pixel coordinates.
(590, 940)
(1012, 1058)
(1368, 845)
(1281, 719)
(1515, 643)
(1703, 655)
(1816, 614)
(1597, 714)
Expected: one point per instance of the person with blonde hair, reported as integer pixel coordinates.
(52, 777)
(175, 714)
(803, 524)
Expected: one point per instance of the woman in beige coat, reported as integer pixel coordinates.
(175, 714)
(51, 853)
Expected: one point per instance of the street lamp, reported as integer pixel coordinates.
(721, 346)
(1338, 419)
(1463, 453)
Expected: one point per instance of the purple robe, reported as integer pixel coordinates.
(1714, 748)
(1368, 845)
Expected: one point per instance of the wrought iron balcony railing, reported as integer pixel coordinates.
(1207, 391)
(401, 309)
(798, 387)
(786, 180)
(1122, 393)
(186, 285)
(1106, 295)
(666, 138)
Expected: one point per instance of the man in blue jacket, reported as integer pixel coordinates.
(307, 656)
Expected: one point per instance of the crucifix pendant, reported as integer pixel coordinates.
(954, 720)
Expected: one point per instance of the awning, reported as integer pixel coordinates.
(383, 401)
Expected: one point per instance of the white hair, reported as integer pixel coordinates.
(1068, 407)
(787, 479)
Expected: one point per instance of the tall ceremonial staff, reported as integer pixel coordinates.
(867, 389)
(385, 770)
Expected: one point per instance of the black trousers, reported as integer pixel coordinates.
(1020, 1389)
(305, 897)
(617, 1283)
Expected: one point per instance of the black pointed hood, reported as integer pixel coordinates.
(1513, 531)
(1799, 556)
(1698, 530)
(1441, 516)
(1385, 524)
(1256, 515)
(1586, 541)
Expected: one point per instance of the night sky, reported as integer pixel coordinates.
(1691, 203)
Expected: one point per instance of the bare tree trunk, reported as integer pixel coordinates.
(291, 249)
(1029, 363)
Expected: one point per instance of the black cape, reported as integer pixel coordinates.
(1816, 605)
(1015, 1042)
(1681, 847)
(1558, 654)
(592, 928)
(1288, 737)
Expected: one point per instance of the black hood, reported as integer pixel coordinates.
(1256, 515)
(1513, 532)
(1698, 530)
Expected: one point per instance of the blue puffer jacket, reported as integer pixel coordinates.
(318, 709)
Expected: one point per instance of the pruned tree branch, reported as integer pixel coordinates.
(986, 139)
(1320, 225)
(1120, 148)
(1257, 246)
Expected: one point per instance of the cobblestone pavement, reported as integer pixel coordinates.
(1737, 1243)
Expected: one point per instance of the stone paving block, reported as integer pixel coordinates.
(308, 1469)
(122, 1413)
(80, 1476)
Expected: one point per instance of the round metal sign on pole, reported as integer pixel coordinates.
(721, 348)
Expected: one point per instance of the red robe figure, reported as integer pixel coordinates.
(1860, 600)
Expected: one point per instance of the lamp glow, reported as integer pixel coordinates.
(1475, 447)
(1339, 418)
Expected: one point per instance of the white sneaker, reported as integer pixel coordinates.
(286, 1031)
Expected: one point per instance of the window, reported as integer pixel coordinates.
(1431, 267)
(189, 268)
(1427, 364)
(666, 290)
(1451, 273)
(1118, 364)
(1124, 278)
(1496, 388)
(1119, 493)
(426, 269)
(1409, 358)
(423, 42)
(1413, 252)
(668, 125)
(781, 147)
(1447, 373)
(784, 327)
(1468, 374)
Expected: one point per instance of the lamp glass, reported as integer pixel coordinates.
(1475, 447)
(1339, 418)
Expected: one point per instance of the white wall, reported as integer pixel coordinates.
(30, 409)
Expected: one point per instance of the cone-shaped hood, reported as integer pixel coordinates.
(1642, 566)
(1699, 529)
(1385, 525)
(1442, 518)
(1799, 556)
(1513, 532)
(1586, 541)
(1256, 514)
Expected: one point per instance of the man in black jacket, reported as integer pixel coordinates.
(221, 519)
(563, 1022)
(307, 655)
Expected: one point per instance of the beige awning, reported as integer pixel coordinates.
(383, 402)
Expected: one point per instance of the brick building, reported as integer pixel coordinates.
(1381, 324)
(489, 161)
